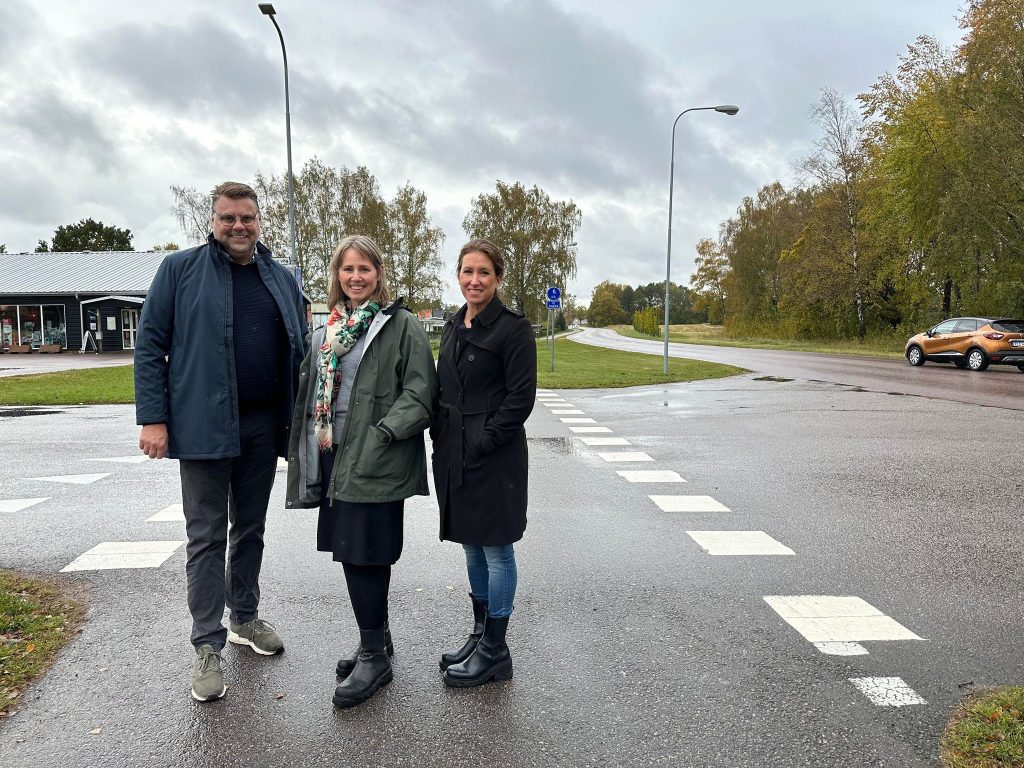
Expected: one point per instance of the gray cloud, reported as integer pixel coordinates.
(51, 123)
(199, 66)
(577, 96)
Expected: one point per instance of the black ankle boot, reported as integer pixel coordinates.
(372, 670)
(489, 661)
(459, 656)
(347, 663)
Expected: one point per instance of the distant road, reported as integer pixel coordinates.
(999, 386)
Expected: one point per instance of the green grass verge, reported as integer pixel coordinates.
(987, 731)
(37, 617)
(582, 366)
(577, 366)
(84, 386)
(715, 334)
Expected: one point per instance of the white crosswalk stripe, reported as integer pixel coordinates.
(830, 618)
(887, 691)
(688, 504)
(124, 554)
(739, 543)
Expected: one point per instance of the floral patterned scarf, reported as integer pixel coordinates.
(343, 330)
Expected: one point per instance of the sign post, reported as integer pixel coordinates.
(554, 302)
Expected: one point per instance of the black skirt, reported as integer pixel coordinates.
(358, 533)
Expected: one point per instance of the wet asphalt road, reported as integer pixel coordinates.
(632, 646)
(1000, 386)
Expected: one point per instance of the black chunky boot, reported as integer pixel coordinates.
(459, 656)
(490, 660)
(372, 670)
(347, 663)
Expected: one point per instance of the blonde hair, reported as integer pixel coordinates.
(364, 246)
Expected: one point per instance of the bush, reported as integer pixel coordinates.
(646, 322)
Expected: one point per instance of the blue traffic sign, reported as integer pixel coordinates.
(554, 294)
(554, 303)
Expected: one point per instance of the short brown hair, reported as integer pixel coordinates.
(488, 249)
(235, 190)
(363, 245)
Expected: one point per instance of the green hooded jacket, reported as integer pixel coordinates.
(381, 455)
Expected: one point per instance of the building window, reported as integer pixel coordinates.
(33, 325)
(8, 326)
(55, 330)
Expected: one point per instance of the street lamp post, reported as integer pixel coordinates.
(268, 10)
(728, 109)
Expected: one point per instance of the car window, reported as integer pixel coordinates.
(1010, 326)
(946, 327)
(967, 324)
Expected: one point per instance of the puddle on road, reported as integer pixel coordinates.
(563, 445)
(772, 378)
(15, 412)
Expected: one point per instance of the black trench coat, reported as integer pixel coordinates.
(480, 457)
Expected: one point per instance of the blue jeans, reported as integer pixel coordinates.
(492, 577)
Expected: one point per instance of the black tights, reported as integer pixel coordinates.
(368, 591)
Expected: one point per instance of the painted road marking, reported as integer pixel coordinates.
(828, 618)
(842, 649)
(137, 459)
(590, 430)
(604, 441)
(557, 403)
(124, 554)
(688, 504)
(650, 476)
(74, 479)
(282, 464)
(739, 543)
(172, 512)
(16, 505)
(567, 412)
(887, 691)
(576, 420)
(625, 456)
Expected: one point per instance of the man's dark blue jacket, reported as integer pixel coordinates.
(185, 358)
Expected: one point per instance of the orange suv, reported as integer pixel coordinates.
(970, 342)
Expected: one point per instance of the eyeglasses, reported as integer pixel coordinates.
(228, 219)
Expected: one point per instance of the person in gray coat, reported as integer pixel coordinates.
(216, 369)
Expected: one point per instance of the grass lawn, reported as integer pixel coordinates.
(582, 366)
(987, 731)
(577, 366)
(703, 333)
(37, 617)
(84, 386)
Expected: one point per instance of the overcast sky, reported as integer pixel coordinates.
(108, 103)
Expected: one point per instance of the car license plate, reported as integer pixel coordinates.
(1017, 342)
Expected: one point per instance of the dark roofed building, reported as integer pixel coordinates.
(72, 301)
(87, 300)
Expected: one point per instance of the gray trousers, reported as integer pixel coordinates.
(225, 505)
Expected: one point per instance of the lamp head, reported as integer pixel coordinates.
(267, 9)
(729, 109)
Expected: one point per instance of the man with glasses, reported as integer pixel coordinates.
(216, 369)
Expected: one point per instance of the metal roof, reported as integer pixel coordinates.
(108, 272)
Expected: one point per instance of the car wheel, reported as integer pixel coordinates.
(915, 356)
(977, 360)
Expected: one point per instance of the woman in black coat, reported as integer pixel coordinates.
(488, 373)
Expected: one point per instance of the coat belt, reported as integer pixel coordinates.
(454, 413)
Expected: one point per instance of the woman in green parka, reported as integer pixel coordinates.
(367, 392)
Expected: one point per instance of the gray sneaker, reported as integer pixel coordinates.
(258, 634)
(207, 676)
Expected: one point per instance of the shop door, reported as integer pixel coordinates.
(129, 327)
